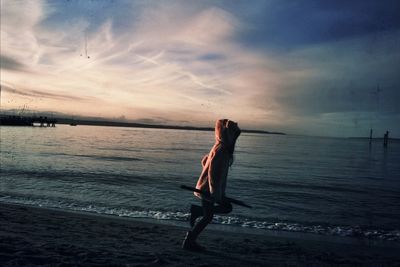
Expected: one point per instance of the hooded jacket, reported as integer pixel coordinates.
(216, 163)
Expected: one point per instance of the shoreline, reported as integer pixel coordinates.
(388, 239)
(39, 236)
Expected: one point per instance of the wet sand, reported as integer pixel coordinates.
(35, 236)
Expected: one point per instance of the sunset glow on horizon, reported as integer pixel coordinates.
(304, 68)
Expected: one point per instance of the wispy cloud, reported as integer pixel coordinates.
(40, 94)
(157, 65)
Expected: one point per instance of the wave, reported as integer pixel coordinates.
(96, 157)
(333, 230)
(110, 158)
(300, 185)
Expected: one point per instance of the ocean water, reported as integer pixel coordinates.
(326, 186)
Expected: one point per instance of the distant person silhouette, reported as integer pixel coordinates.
(385, 139)
(213, 179)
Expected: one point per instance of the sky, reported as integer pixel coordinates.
(328, 68)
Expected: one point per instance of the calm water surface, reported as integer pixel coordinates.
(332, 186)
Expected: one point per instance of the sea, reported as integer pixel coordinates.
(325, 186)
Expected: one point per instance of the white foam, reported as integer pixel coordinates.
(348, 231)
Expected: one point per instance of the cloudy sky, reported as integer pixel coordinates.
(305, 67)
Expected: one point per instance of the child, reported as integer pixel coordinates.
(213, 180)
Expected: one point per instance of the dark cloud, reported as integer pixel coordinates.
(353, 85)
(158, 120)
(41, 94)
(8, 63)
(340, 97)
(161, 120)
(290, 24)
(212, 57)
(339, 88)
(341, 77)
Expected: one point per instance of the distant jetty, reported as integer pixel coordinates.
(14, 120)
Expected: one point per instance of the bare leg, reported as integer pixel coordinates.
(208, 214)
(208, 211)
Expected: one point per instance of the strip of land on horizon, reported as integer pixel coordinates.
(104, 122)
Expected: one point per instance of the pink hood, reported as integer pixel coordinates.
(226, 132)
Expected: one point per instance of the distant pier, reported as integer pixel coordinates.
(13, 120)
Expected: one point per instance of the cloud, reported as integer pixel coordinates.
(9, 63)
(18, 19)
(264, 64)
(40, 94)
(284, 26)
(175, 59)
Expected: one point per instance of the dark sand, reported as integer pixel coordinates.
(35, 236)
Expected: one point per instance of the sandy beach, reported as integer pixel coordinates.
(35, 236)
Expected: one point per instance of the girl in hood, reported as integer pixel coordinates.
(213, 180)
